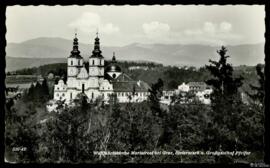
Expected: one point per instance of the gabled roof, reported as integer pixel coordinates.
(130, 87)
(82, 73)
(123, 83)
(123, 78)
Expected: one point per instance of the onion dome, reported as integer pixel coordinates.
(97, 52)
(113, 67)
(75, 53)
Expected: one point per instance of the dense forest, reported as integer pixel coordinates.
(72, 134)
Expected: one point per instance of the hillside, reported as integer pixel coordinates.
(168, 54)
(16, 63)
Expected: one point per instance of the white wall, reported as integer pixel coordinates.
(183, 87)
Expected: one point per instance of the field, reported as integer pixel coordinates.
(20, 79)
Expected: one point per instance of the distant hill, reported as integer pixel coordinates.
(42, 51)
(15, 63)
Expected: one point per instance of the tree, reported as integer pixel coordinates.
(66, 135)
(154, 98)
(224, 84)
(21, 132)
(172, 84)
(255, 113)
(44, 90)
(37, 92)
(30, 94)
(258, 96)
(225, 103)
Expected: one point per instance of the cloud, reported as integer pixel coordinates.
(109, 28)
(91, 22)
(156, 29)
(212, 33)
(225, 27)
(209, 33)
(209, 27)
(193, 32)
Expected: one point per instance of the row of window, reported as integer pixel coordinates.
(93, 62)
(104, 88)
(57, 95)
(107, 94)
(79, 62)
(82, 87)
(130, 93)
(195, 87)
(63, 94)
(59, 88)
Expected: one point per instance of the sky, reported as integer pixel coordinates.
(124, 25)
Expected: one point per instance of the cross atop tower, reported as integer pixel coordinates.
(75, 32)
(113, 58)
(97, 32)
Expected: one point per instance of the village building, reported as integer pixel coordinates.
(200, 89)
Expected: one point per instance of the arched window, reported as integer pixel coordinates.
(93, 62)
(92, 95)
(71, 62)
(63, 94)
(79, 62)
(70, 95)
(100, 62)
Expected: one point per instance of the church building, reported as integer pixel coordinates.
(98, 82)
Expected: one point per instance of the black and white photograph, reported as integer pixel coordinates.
(135, 84)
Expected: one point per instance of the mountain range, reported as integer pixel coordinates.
(45, 50)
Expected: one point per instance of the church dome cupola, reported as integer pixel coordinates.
(113, 69)
(75, 53)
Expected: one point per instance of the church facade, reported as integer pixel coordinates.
(98, 81)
